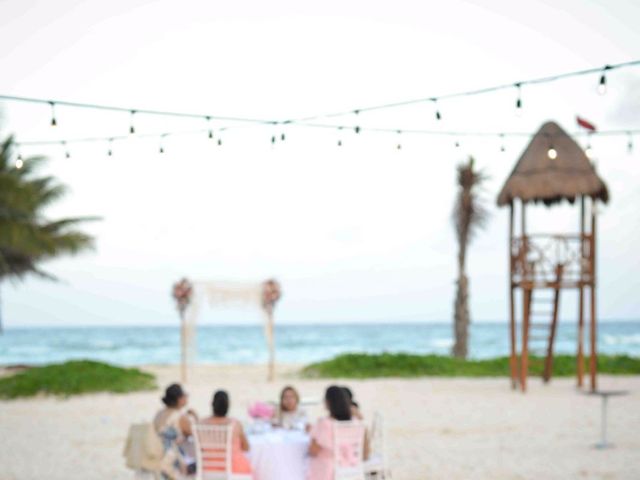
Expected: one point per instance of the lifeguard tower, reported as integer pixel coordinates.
(552, 168)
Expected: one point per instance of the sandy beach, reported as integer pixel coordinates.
(436, 428)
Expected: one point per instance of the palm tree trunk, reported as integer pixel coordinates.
(461, 309)
(1, 329)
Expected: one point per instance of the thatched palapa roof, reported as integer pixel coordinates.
(538, 178)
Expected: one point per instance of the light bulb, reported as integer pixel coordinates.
(552, 153)
(589, 152)
(19, 162)
(132, 129)
(602, 86)
(53, 114)
(435, 103)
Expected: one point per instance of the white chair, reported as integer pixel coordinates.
(375, 467)
(348, 450)
(213, 451)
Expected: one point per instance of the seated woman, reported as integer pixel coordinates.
(174, 428)
(289, 414)
(322, 442)
(355, 408)
(239, 442)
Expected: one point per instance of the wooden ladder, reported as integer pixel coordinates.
(546, 331)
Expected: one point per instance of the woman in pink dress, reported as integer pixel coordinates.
(239, 442)
(321, 448)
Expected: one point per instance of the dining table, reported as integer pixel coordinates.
(278, 454)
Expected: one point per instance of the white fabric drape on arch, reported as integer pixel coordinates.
(222, 293)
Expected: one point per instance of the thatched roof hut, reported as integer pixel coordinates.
(539, 178)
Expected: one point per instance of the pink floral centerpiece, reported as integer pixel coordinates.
(261, 411)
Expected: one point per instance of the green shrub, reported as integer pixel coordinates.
(362, 365)
(73, 378)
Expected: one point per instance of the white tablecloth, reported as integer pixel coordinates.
(279, 454)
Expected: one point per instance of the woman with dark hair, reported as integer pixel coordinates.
(239, 443)
(174, 427)
(289, 414)
(355, 408)
(321, 448)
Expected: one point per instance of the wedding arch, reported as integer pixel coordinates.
(190, 296)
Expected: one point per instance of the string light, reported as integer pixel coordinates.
(602, 85)
(19, 162)
(457, 144)
(552, 153)
(519, 100)
(630, 144)
(132, 128)
(399, 146)
(282, 137)
(67, 154)
(53, 114)
(339, 137)
(502, 148)
(109, 151)
(435, 105)
(478, 91)
(219, 142)
(210, 134)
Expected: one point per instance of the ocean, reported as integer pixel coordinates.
(294, 343)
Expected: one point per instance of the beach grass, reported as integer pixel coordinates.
(362, 365)
(74, 378)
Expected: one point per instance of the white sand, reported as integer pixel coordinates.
(436, 428)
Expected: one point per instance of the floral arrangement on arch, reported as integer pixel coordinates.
(271, 293)
(182, 292)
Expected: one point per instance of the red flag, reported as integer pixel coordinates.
(585, 124)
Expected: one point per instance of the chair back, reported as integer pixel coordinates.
(348, 450)
(213, 450)
(376, 439)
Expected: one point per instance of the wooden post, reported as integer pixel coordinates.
(512, 320)
(524, 360)
(583, 273)
(271, 374)
(526, 300)
(593, 358)
(183, 348)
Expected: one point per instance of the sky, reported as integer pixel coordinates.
(360, 233)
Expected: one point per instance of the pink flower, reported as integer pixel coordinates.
(260, 410)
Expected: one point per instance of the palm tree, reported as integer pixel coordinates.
(468, 216)
(27, 238)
